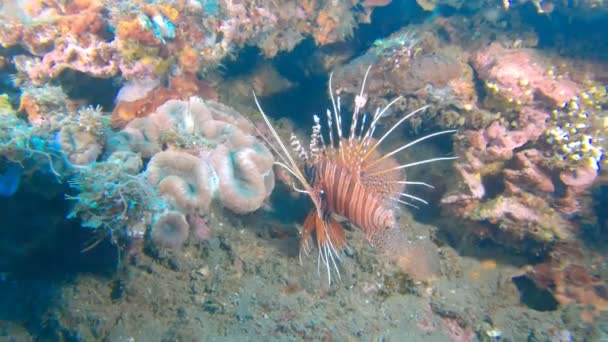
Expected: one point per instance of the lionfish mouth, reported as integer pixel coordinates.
(348, 176)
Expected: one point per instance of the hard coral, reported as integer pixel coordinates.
(170, 230)
(82, 141)
(10, 31)
(187, 180)
(521, 217)
(245, 174)
(132, 29)
(40, 103)
(577, 130)
(520, 76)
(508, 167)
(213, 153)
(490, 155)
(140, 97)
(95, 58)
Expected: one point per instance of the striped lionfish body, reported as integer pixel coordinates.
(344, 174)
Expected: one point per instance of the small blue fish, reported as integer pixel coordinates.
(9, 179)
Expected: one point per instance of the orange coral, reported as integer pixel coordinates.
(327, 24)
(75, 17)
(169, 12)
(33, 7)
(30, 107)
(180, 87)
(10, 32)
(39, 39)
(131, 29)
(308, 6)
(78, 24)
(189, 59)
(464, 88)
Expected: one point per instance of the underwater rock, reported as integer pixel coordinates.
(415, 63)
(573, 278)
(521, 76)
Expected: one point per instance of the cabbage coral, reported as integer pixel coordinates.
(212, 153)
(188, 181)
(170, 230)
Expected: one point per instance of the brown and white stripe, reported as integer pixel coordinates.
(348, 197)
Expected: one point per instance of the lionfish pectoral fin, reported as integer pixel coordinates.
(330, 240)
(307, 229)
(336, 235)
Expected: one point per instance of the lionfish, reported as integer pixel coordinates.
(346, 176)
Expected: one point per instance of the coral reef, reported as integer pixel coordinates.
(112, 196)
(538, 168)
(532, 123)
(82, 141)
(138, 40)
(414, 62)
(140, 97)
(187, 180)
(33, 145)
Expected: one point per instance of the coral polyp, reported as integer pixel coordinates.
(578, 131)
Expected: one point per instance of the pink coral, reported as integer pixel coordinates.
(520, 75)
(527, 175)
(486, 150)
(213, 154)
(187, 180)
(245, 176)
(80, 146)
(199, 226)
(95, 58)
(529, 172)
(170, 230)
(579, 179)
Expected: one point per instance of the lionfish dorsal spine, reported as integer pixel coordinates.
(297, 147)
(362, 129)
(315, 139)
(372, 127)
(330, 128)
(360, 101)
